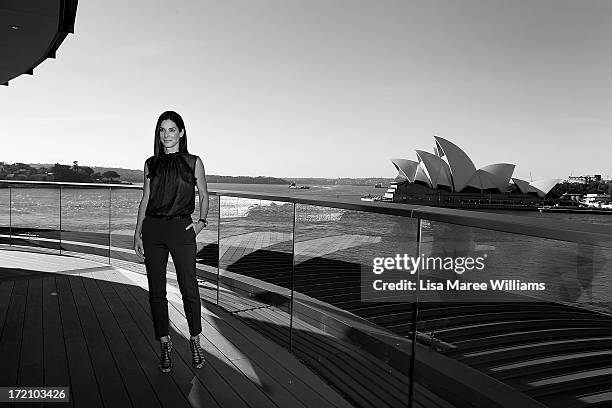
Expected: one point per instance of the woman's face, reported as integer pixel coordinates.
(169, 135)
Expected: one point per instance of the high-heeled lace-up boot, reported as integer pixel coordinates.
(165, 363)
(197, 353)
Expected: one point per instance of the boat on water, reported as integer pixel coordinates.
(590, 204)
(575, 209)
(295, 186)
(370, 197)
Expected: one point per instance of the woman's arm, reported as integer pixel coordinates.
(202, 187)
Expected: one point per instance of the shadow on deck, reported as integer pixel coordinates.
(72, 322)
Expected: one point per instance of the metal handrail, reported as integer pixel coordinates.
(569, 231)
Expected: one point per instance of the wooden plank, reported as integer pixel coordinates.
(350, 389)
(251, 392)
(198, 391)
(361, 377)
(10, 342)
(31, 358)
(139, 389)
(299, 380)
(82, 379)
(362, 359)
(217, 363)
(55, 361)
(6, 290)
(109, 381)
(167, 392)
(257, 357)
(214, 371)
(423, 397)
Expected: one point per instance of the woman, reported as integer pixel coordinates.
(165, 226)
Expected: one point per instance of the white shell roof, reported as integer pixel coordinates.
(461, 167)
(483, 180)
(421, 175)
(500, 174)
(522, 185)
(436, 169)
(407, 168)
(451, 166)
(542, 187)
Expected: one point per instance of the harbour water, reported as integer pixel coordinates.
(88, 209)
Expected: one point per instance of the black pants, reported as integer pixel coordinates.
(160, 237)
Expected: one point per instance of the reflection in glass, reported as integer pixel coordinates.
(5, 214)
(542, 327)
(35, 217)
(340, 322)
(255, 255)
(85, 225)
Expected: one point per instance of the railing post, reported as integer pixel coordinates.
(110, 200)
(218, 245)
(60, 219)
(292, 281)
(415, 315)
(10, 215)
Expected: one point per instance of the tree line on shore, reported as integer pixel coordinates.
(57, 172)
(85, 174)
(591, 187)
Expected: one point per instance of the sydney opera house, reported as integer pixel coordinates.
(449, 176)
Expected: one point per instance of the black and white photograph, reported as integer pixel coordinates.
(306, 203)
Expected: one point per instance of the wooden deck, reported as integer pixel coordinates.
(72, 322)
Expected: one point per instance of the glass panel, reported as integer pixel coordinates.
(36, 217)
(207, 257)
(85, 222)
(255, 263)
(4, 214)
(344, 329)
(124, 213)
(533, 322)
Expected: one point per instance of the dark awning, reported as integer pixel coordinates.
(30, 32)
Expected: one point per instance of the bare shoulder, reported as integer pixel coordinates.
(199, 164)
(146, 165)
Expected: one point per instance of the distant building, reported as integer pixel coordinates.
(595, 200)
(571, 196)
(450, 174)
(584, 179)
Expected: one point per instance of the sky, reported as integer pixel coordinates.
(324, 88)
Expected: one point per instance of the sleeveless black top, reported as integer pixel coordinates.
(172, 184)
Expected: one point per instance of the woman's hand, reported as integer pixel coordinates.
(139, 248)
(197, 226)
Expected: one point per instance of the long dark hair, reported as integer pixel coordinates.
(158, 147)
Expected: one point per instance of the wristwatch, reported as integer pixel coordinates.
(204, 221)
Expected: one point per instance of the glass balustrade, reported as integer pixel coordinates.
(85, 216)
(255, 263)
(367, 299)
(343, 326)
(511, 308)
(123, 215)
(5, 214)
(35, 217)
